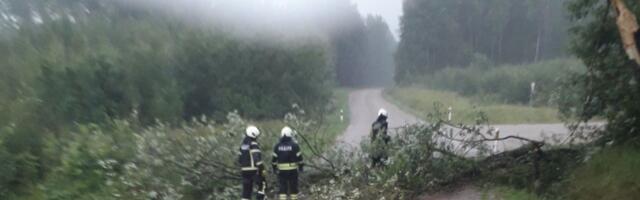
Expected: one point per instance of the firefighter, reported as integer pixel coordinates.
(379, 139)
(250, 160)
(287, 161)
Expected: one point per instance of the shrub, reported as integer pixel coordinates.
(610, 174)
(510, 83)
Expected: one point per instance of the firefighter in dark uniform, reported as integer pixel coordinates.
(287, 161)
(379, 139)
(250, 160)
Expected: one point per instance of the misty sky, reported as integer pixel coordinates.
(391, 10)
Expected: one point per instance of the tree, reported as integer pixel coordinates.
(380, 47)
(610, 87)
(456, 33)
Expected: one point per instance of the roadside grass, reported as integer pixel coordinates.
(332, 126)
(419, 101)
(328, 130)
(610, 174)
(506, 193)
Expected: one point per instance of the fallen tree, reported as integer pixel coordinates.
(436, 156)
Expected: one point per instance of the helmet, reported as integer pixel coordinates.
(286, 132)
(252, 132)
(383, 112)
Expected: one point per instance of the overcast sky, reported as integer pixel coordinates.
(391, 10)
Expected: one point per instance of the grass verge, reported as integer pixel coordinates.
(419, 101)
(610, 174)
(506, 193)
(330, 127)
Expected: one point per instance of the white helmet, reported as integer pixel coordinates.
(286, 132)
(383, 112)
(252, 132)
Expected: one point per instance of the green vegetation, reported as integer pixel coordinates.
(611, 87)
(465, 110)
(332, 127)
(613, 173)
(363, 49)
(485, 46)
(507, 83)
(456, 33)
(414, 166)
(505, 193)
(103, 100)
(323, 132)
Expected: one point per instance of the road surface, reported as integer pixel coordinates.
(363, 110)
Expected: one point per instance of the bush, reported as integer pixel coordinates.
(609, 174)
(509, 83)
(156, 70)
(421, 159)
(420, 101)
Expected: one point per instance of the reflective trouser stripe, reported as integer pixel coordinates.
(249, 168)
(294, 196)
(263, 188)
(288, 166)
(282, 197)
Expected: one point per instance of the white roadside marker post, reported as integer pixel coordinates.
(495, 143)
(532, 93)
(449, 119)
(341, 115)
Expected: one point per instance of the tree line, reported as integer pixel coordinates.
(69, 67)
(443, 33)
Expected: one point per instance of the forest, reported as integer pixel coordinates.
(79, 76)
(148, 99)
(439, 34)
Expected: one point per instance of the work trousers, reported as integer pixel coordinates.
(288, 180)
(249, 178)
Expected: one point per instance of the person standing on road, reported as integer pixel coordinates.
(287, 161)
(379, 139)
(250, 160)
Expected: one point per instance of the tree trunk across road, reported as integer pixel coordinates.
(363, 109)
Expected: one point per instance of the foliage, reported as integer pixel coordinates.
(363, 50)
(259, 80)
(507, 83)
(608, 174)
(380, 47)
(71, 68)
(609, 88)
(447, 33)
(421, 158)
(506, 193)
(465, 110)
(120, 160)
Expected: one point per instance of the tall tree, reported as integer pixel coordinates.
(455, 33)
(380, 48)
(610, 88)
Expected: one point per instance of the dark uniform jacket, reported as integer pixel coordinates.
(287, 155)
(379, 130)
(250, 158)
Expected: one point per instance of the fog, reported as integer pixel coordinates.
(390, 10)
(286, 18)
